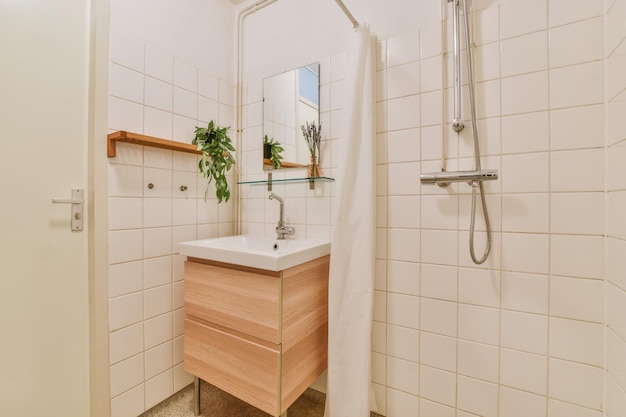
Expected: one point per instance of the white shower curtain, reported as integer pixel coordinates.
(353, 249)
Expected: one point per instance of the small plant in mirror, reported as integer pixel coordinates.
(312, 133)
(217, 159)
(275, 151)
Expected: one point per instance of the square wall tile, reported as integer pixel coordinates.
(157, 242)
(440, 212)
(125, 310)
(487, 25)
(403, 245)
(439, 281)
(125, 213)
(479, 361)
(577, 128)
(403, 277)
(525, 292)
(403, 375)
(126, 51)
(404, 211)
(561, 409)
(158, 94)
(185, 103)
(437, 385)
(157, 301)
(525, 133)
(157, 212)
(516, 403)
(576, 383)
(524, 54)
(577, 85)
(125, 115)
(157, 330)
(519, 17)
(403, 310)
(567, 209)
(523, 252)
(129, 403)
(567, 11)
(158, 359)
(516, 176)
(478, 397)
(479, 287)
(158, 123)
(440, 246)
(566, 174)
(125, 343)
(400, 403)
(438, 317)
(529, 213)
(576, 43)
(403, 113)
(159, 388)
(126, 374)
(438, 351)
(525, 332)
(524, 371)
(157, 271)
(159, 64)
(125, 83)
(125, 246)
(577, 341)
(577, 256)
(576, 298)
(185, 76)
(403, 80)
(402, 49)
(526, 93)
(125, 278)
(479, 324)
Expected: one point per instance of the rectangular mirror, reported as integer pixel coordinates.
(289, 100)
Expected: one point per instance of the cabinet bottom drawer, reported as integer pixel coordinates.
(244, 369)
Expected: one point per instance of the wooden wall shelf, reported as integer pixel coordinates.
(137, 139)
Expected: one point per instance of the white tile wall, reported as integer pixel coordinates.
(614, 377)
(521, 335)
(146, 224)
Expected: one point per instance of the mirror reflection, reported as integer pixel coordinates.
(290, 100)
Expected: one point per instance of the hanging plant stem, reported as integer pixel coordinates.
(217, 159)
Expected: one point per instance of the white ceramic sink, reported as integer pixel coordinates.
(257, 251)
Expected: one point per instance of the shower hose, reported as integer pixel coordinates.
(477, 186)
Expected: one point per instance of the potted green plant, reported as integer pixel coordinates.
(272, 150)
(217, 159)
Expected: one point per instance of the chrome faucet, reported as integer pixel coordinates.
(281, 229)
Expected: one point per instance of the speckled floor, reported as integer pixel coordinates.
(216, 403)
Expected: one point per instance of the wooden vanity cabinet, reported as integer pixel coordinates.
(259, 335)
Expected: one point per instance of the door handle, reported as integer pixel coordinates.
(78, 202)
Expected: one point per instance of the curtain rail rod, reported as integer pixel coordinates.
(341, 4)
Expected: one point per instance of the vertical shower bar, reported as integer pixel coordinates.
(457, 122)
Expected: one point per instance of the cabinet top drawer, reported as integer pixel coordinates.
(244, 301)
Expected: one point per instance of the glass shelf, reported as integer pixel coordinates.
(269, 182)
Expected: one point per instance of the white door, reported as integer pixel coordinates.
(44, 293)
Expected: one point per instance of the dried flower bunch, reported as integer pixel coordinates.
(312, 133)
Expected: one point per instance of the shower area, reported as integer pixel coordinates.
(536, 327)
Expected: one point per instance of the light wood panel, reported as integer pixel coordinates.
(247, 370)
(243, 323)
(305, 300)
(244, 301)
(302, 364)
